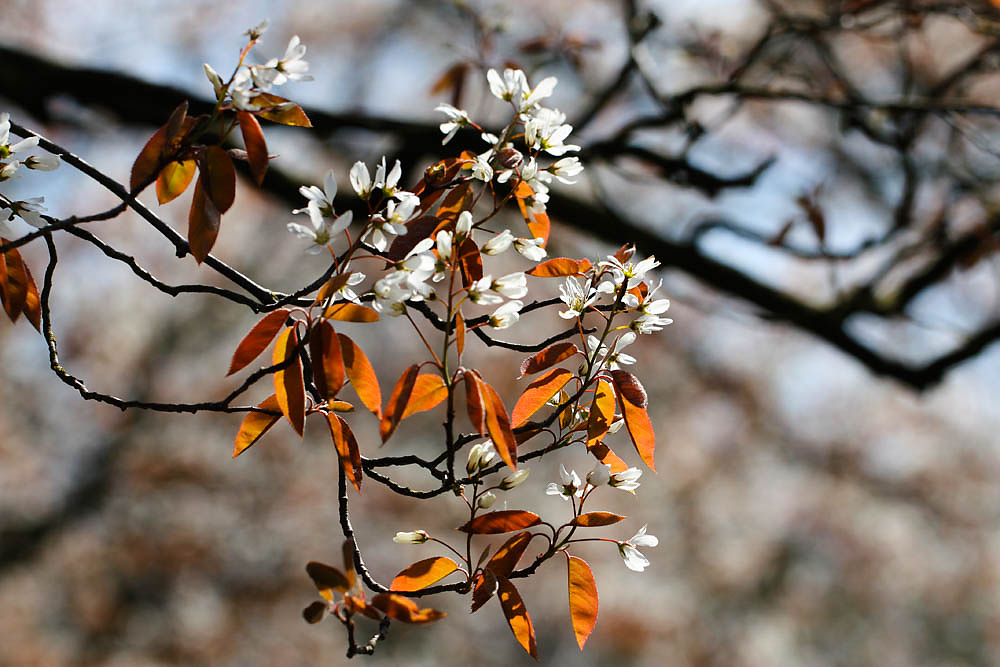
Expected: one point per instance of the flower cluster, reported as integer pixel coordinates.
(30, 210)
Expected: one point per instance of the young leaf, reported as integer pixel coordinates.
(404, 609)
(203, 223)
(457, 200)
(327, 579)
(218, 176)
(596, 519)
(256, 424)
(559, 267)
(538, 223)
(327, 363)
(350, 312)
(416, 231)
(147, 163)
(398, 401)
(14, 283)
(32, 301)
(362, 375)
(174, 179)
(538, 393)
(475, 402)
(347, 449)
(257, 339)
(470, 261)
(253, 139)
(602, 412)
(347, 550)
(428, 391)
(423, 573)
(640, 429)
(604, 454)
(498, 426)
(501, 521)
(315, 612)
(359, 606)
(459, 334)
(288, 383)
(540, 226)
(582, 599)
(517, 616)
(629, 386)
(507, 556)
(284, 112)
(548, 357)
(483, 588)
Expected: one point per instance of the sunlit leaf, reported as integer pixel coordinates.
(517, 616)
(596, 519)
(218, 177)
(279, 110)
(347, 449)
(507, 556)
(559, 267)
(423, 573)
(147, 163)
(346, 311)
(256, 424)
(288, 383)
(483, 588)
(640, 429)
(347, 550)
(470, 261)
(14, 284)
(604, 454)
(359, 606)
(475, 402)
(361, 374)
(629, 386)
(327, 579)
(548, 357)
(459, 334)
(457, 200)
(327, 364)
(583, 601)
(501, 521)
(602, 412)
(331, 286)
(538, 223)
(32, 301)
(398, 401)
(498, 424)
(538, 394)
(404, 609)
(174, 179)
(203, 223)
(540, 226)
(417, 230)
(428, 391)
(253, 139)
(257, 339)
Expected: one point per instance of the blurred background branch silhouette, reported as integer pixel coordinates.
(817, 179)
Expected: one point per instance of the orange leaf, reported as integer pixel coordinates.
(505, 559)
(288, 384)
(457, 200)
(398, 400)
(403, 609)
(174, 179)
(346, 311)
(640, 429)
(470, 261)
(255, 425)
(347, 549)
(32, 301)
(362, 375)
(147, 163)
(501, 521)
(582, 599)
(359, 606)
(218, 176)
(203, 223)
(253, 139)
(559, 267)
(327, 579)
(604, 454)
(540, 226)
(428, 391)
(331, 286)
(460, 333)
(493, 420)
(327, 364)
(257, 340)
(281, 110)
(602, 412)
(475, 402)
(483, 589)
(629, 386)
(423, 573)
(550, 356)
(517, 616)
(538, 223)
(13, 283)
(596, 519)
(538, 393)
(347, 449)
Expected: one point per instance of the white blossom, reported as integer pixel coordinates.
(576, 297)
(498, 243)
(361, 180)
(44, 162)
(512, 87)
(569, 484)
(457, 118)
(290, 67)
(531, 248)
(512, 285)
(634, 560)
(514, 479)
(506, 315)
(626, 480)
(600, 475)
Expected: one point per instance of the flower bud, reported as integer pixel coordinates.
(480, 456)
(413, 537)
(600, 475)
(510, 157)
(464, 225)
(486, 500)
(514, 479)
(42, 162)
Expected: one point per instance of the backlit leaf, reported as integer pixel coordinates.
(428, 391)
(423, 573)
(457, 200)
(640, 429)
(604, 454)
(582, 599)
(483, 588)
(327, 579)
(470, 261)
(203, 223)
(346, 311)
(327, 364)
(507, 556)
(147, 163)
(256, 424)
(253, 139)
(174, 179)
(282, 111)
(347, 549)
(459, 334)
(498, 424)
(596, 519)
(218, 177)
(475, 402)
(361, 374)
(257, 339)
(517, 616)
(13, 284)
(501, 521)
(288, 383)
(538, 393)
(347, 449)
(398, 400)
(602, 412)
(550, 356)
(32, 301)
(629, 386)
(559, 267)
(359, 606)
(403, 609)
(540, 226)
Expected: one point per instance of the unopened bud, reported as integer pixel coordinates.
(414, 537)
(486, 500)
(42, 162)
(510, 157)
(600, 475)
(514, 479)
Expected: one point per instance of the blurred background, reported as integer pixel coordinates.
(818, 181)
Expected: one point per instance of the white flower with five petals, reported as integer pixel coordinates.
(634, 560)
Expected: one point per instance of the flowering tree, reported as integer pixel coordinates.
(417, 259)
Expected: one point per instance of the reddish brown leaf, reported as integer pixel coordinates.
(347, 549)
(203, 223)
(457, 200)
(361, 374)
(416, 231)
(253, 139)
(460, 334)
(327, 364)
(540, 227)
(475, 402)
(359, 606)
(550, 356)
(255, 425)
(582, 599)
(257, 339)
(398, 401)
(428, 391)
(497, 422)
(218, 177)
(538, 393)
(629, 386)
(147, 163)
(288, 383)
(404, 609)
(14, 283)
(559, 267)
(596, 519)
(331, 286)
(346, 311)
(32, 301)
(507, 556)
(517, 616)
(347, 449)
(640, 429)
(175, 124)
(501, 521)
(327, 579)
(423, 573)
(315, 612)
(484, 586)
(470, 261)
(174, 179)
